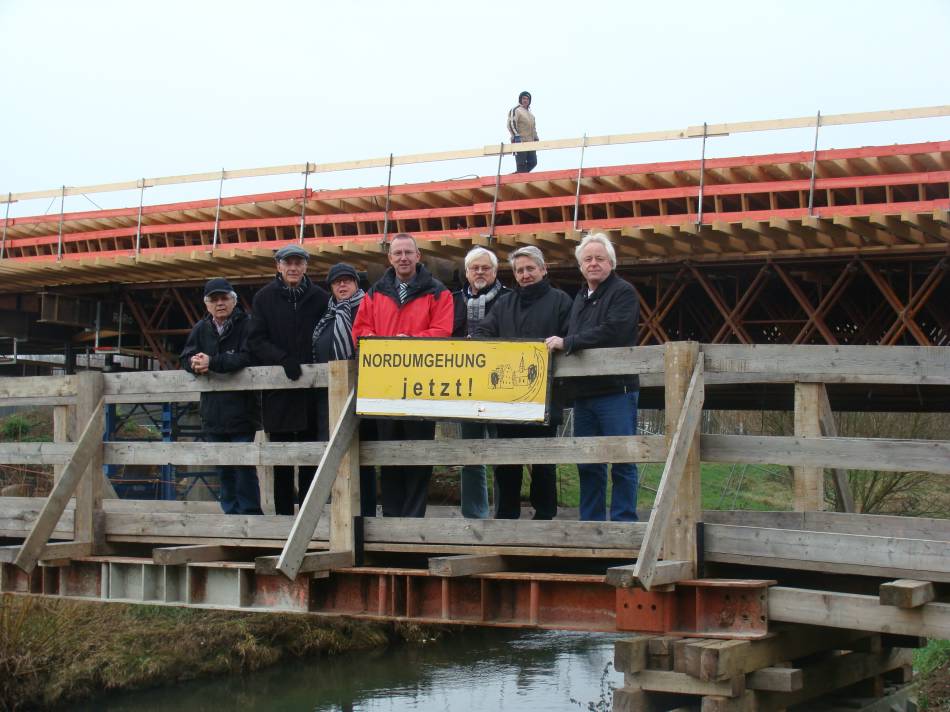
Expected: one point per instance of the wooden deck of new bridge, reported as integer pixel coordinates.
(732, 610)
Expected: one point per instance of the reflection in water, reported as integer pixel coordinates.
(474, 670)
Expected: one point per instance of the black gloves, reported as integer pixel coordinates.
(291, 368)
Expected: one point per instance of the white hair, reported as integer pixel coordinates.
(232, 295)
(477, 252)
(601, 239)
(529, 251)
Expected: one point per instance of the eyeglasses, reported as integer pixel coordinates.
(480, 268)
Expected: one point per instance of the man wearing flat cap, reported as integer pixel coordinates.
(218, 344)
(285, 313)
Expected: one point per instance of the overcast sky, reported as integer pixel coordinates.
(97, 92)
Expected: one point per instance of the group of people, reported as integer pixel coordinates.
(297, 322)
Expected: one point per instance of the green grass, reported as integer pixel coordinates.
(723, 486)
(932, 667)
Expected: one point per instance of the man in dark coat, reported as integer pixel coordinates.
(218, 344)
(605, 314)
(285, 313)
(533, 309)
(473, 302)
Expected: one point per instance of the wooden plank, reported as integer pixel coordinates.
(826, 419)
(776, 679)
(345, 491)
(501, 532)
(689, 132)
(857, 612)
(615, 361)
(89, 405)
(680, 683)
(56, 454)
(309, 563)
(176, 555)
(648, 448)
(510, 451)
(682, 443)
(871, 524)
(309, 515)
(906, 593)
(882, 454)
(892, 364)
(630, 654)
(14, 387)
(722, 659)
(88, 444)
(64, 425)
(808, 483)
(767, 547)
(665, 572)
(833, 674)
(466, 565)
(251, 378)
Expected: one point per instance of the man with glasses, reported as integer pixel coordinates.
(472, 304)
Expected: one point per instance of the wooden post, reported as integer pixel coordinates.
(808, 482)
(89, 490)
(64, 423)
(844, 497)
(265, 477)
(345, 502)
(680, 537)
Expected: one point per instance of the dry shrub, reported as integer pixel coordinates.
(52, 651)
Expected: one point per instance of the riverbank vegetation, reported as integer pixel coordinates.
(54, 651)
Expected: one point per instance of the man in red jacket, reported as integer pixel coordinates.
(406, 301)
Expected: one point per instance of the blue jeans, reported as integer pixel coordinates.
(614, 414)
(240, 491)
(474, 483)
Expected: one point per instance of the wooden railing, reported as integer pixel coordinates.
(664, 548)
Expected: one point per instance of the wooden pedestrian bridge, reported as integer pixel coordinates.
(732, 610)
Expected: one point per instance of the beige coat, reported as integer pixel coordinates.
(521, 123)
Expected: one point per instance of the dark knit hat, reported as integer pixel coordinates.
(288, 251)
(342, 269)
(527, 94)
(216, 285)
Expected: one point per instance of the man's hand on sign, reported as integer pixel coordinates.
(200, 363)
(554, 343)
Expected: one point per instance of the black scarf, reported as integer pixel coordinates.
(477, 304)
(534, 292)
(293, 294)
(340, 314)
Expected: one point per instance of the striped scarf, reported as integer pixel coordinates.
(340, 314)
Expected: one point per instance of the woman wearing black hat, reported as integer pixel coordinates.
(522, 128)
(333, 341)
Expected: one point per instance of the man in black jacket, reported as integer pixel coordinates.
(218, 344)
(605, 314)
(533, 309)
(285, 313)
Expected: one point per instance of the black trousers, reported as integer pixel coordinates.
(367, 474)
(284, 474)
(405, 488)
(508, 477)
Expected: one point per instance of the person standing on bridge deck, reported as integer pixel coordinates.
(285, 312)
(406, 301)
(472, 304)
(333, 341)
(218, 344)
(605, 314)
(531, 310)
(522, 129)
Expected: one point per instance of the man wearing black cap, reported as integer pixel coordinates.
(285, 313)
(218, 344)
(522, 129)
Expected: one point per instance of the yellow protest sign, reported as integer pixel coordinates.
(453, 378)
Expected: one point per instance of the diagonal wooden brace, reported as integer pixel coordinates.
(45, 523)
(646, 566)
(319, 493)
